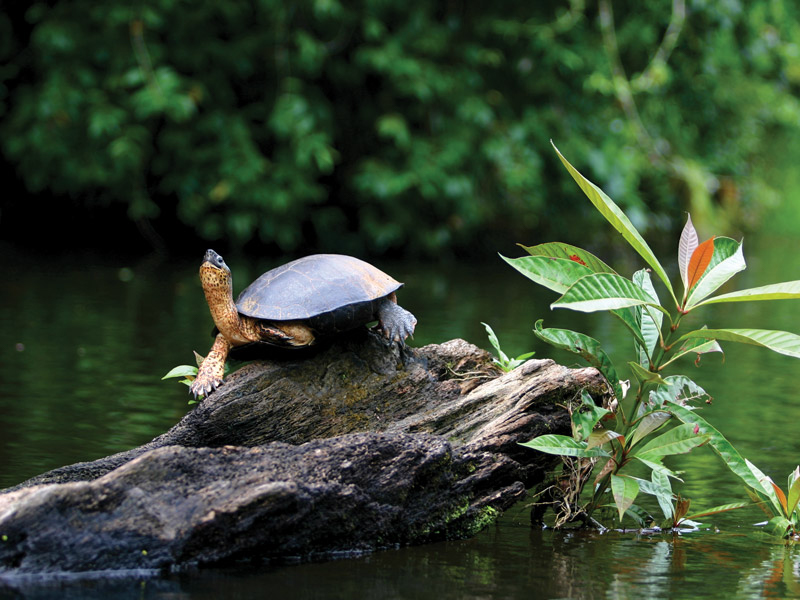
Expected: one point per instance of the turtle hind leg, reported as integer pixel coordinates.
(395, 322)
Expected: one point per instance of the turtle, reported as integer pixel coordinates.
(296, 306)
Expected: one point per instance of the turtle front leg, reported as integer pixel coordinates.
(211, 372)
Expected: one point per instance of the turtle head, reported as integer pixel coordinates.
(214, 260)
(214, 273)
(215, 277)
(217, 282)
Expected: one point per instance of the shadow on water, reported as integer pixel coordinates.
(85, 340)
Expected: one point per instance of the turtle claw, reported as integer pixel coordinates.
(394, 334)
(204, 386)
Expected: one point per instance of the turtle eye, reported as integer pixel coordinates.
(220, 262)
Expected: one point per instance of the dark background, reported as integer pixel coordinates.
(416, 130)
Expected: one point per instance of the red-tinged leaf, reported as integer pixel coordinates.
(701, 257)
(681, 508)
(573, 253)
(624, 490)
(781, 497)
(607, 468)
(602, 436)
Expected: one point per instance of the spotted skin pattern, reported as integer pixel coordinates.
(321, 301)
(213, 368)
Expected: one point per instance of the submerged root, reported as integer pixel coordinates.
(564, 493)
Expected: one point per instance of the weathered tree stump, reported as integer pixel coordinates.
(357, 448)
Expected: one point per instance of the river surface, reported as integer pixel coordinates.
(85, 339)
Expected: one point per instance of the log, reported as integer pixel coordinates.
(360, 447)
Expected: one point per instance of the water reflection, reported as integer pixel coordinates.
(510, 560)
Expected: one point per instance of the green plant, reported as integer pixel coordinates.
(502, 360)
(782, 509)
(658, 419)
(187, 372)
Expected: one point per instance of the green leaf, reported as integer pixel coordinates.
(181, 371)
(648, 424)
(656, 465)
(660, 487)
(724, 265)
(662, 482)
(680, 390)
(719, 444)
(787, 290)
(678, 440)
(628, 318)
(503, 361)
(648, 321)
(563, 446)
(781, 342)
(793, 497)
(495, 343)
(584, 346)
(624, 490)
(558, 277)
(603, 291)
(778, 526)
(765, 487)
(717, 510)
(761, 501)
(695, 346)
(618, 220)
(556, 274)
(569, 252)
(586, 416)
(639, 515)
(646, 375)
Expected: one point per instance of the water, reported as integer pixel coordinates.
(84, 341)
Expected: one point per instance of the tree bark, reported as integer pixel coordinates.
(359, 447)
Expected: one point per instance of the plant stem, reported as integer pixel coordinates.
(636, 404)
(666, 345)
(598, 492)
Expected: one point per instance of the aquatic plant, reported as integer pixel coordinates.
(782, 509)
(659, 417)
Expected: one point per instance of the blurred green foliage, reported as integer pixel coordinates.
(380, 127)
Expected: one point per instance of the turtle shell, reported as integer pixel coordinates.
(312, 286)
